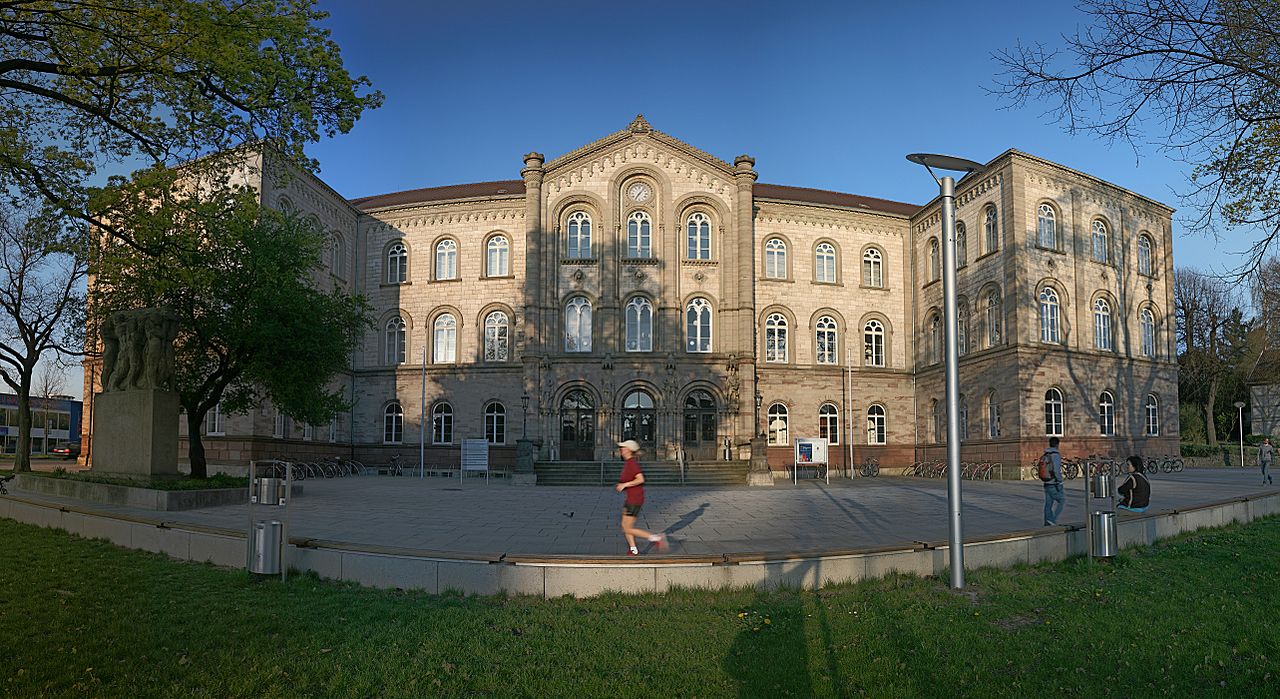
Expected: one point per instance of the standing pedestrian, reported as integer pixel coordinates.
(1054, 497)
(1265, 454)
(632, 481)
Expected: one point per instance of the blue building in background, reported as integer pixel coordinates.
(54, 422)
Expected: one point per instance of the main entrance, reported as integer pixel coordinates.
(577, 427)
(700, 426)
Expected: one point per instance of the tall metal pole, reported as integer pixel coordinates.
(422, 421)
(1240, 419)
(956, 539)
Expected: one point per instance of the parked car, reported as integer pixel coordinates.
(70, 450)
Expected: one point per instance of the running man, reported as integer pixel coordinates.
(632, 481)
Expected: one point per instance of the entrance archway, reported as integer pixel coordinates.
(699, 439)
(638, 418)
(577, 426)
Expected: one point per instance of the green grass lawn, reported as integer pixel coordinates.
(1193, 617)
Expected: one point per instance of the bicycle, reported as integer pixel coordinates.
(6, 479)
(870, 467)
(394, 468)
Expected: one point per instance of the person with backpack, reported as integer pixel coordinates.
(1135, 491)
(1049, 469)
(1265, 455)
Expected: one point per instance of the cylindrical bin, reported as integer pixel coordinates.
(264, 552)
(1102, 485)
(1104, 534)
(270, 491)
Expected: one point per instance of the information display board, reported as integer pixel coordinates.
(811, 453)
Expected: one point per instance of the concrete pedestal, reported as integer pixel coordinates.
(523, 473)
(136, 432)
(760, 473)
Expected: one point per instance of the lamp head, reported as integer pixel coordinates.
(524, 401)
(944, 162)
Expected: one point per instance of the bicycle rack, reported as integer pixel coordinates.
(268, 540)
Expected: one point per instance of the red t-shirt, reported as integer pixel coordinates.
(635, 494)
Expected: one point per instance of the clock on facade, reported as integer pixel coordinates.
(639, 192)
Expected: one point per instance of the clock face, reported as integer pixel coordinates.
(639, 191)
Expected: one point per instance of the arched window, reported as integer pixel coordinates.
(498, 257)
(495, 423)
(447, 259)
(824, 263)
(775, 259)
(875, 424)
(1102, 325)
(872, 269)
(1049, 322)
(697, 326)
(699, 237)
(1148, 321)
(1144, 255)
(397, 264)
(779, 423)
(935, 339)
(829, 423)
(444, 345)
(993, 318)
(991, 226)
(396, 340)
(993, 416)
(393, 424)
(639, 235)
(1100, 242)
(962, 327)
(935, 264)
(1053, 413)
(639, 325)
(579, 246)
(775, 338)
(937, 411)
(962, 244)
(826, 340)
(1153, 415)
(337, 256)
(964, 419)
(873, 343)
(442, 424)
(577, 325)
(1106, 415)
(496, 337)
(638, 417)
(1047, 227)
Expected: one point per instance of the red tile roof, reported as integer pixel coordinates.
(829, 198)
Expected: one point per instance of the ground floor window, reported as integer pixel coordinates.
(779, 421)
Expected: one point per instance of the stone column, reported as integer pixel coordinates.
(745, 316)
(531, 325)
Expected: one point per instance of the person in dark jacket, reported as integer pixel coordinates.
(1135, 491)
(1054, 497)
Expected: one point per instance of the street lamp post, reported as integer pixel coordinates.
(1240, 419)
(759, 401)
(524, 416)
(947, 193)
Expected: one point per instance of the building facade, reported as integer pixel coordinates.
(55, 421)
(639, 288)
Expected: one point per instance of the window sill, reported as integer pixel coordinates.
(818, 283)
(451, 280)
(391, 284)
(778, 280)
(640, 261)
(498, 277)
(579, 261)
(985, 255)
(699, 263)
(1055, 251)
(873, 288)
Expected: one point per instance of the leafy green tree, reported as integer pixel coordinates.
(242, 280)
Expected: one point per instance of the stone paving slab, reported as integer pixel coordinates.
(439, 515)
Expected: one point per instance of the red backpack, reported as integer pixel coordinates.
(1044, 468)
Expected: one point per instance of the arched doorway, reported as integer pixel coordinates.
(577, 426)
(700, 426)
(638, 418)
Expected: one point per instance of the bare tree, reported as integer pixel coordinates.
(1205, 313)
(47, 387)
(42, 269)
(1198, 78)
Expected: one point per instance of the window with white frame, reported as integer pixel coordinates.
(213, 423)
(1102, 325)
(937, 411)
(991, 226)
(579, 243)
(1047, 227)
(824, 263)
(697, 326)
(497, 329)
(334, 424)
(935, 339)
(962, 244)
(1100, 241)
(393, 424)
(872, 268)
(826, 340)
(396, 339)
(1144, 254)
(397, 264)
(993, 416)
(775, 259)
(875, 424)
(1049, 311)
(1053, 413)
(1148, 321)
(337, 256)
(775, 338)
(277, 426)
(993, 318)
(447, 259)
(779, 422)
(964, 419)
(698, 243)
(935, 263)
(962, 327)
(497, 257)
(639, 321)
(444, 346)
(829, 423)
(577, 325)
(873, 343)
(495, 423)
(442, 424)
(1106, 415)
(639, 235)
(308, 432)
(1153, 415)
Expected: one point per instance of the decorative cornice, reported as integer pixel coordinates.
(422, 220)
(639, 150)
(640, 129)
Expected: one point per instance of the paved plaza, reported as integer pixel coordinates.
(437, 514)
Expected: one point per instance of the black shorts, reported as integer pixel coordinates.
(631, 510)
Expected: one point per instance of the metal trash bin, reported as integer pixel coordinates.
(1103, 539)
(264, 547)
(1102, 485)
(270, 491)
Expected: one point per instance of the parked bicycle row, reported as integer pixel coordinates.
(325, 467)
(1095, 464)
(970, 470)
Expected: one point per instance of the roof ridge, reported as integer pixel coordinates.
(425, 189)
(835, 191)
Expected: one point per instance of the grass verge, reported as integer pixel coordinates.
(1194, 616)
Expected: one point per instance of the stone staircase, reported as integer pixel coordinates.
(606, 473)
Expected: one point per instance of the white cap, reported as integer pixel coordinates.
(631, 445)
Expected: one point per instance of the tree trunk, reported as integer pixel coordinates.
(22, 457)
(195, 447)
(1210, 425)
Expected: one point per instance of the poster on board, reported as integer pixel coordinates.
(811, 452)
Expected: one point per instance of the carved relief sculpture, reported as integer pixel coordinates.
(138, 349)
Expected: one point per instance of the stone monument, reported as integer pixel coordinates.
(135, 417)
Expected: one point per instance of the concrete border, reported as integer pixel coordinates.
(143, 498)
(585, 576)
